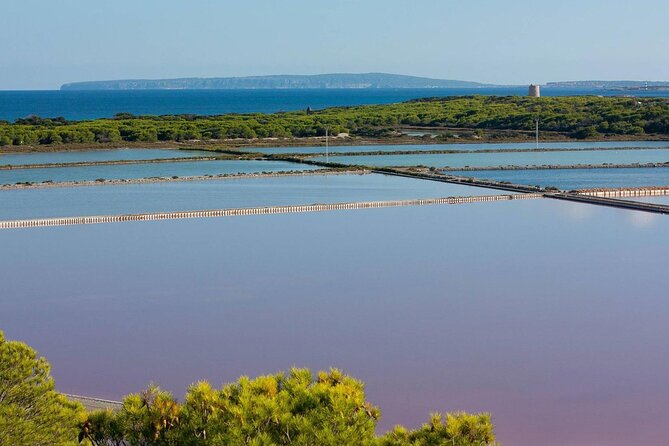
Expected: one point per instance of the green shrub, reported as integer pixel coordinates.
(32, 413)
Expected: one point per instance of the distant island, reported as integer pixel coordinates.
(612, 85)
(317, 81)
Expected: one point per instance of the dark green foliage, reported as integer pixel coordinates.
(31, 412)
(457, 429)
(580, 117)
(284, 409)
(296, 408)
(292, 409)
(586, 132)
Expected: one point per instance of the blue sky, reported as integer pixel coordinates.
(44, 43)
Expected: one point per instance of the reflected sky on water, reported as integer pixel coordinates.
(147, 170)
(474, 159)
(222, 194)
(570, 179)
(584, 145)
(549, 314)
(76, 156)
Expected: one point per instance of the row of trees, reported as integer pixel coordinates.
(580, 117)
(296, 408)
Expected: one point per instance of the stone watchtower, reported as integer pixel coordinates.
(535, 91)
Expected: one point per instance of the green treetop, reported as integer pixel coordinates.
(32, 413)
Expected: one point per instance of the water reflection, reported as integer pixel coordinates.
(75, 156)
(555, 324)
(584, 145)
(221, 194)
(147, 170)
(570, 179)
(474, 159)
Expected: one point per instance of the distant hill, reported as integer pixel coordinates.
(610, 85)
(367, 80)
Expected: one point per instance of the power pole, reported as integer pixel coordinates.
(536, 120)
(327, 145)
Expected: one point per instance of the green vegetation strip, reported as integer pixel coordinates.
(579, 117)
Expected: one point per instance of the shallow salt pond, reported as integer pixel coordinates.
(570, 179)
(147, 170)
(657, 200)
(458, 160)
(76, 156)
(221, 194)
(461, 146)
(545, 313)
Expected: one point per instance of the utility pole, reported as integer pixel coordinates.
(327, 143)
(536, 120)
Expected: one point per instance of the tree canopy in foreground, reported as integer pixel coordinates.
(294, 408)
(32, 413)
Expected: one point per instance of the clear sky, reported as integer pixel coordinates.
(44, 43)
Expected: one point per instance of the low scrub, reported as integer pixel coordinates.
(578, 117)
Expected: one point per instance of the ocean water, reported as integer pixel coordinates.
(551, 315)
(94, 154)
(104, 104)
(147, 170)
(570, 179)
(220, 194)
(507, 159)
(579, 145)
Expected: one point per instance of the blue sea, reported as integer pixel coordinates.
(79, 105)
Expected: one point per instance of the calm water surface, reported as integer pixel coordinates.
(570, 179)
(508, 159)
(551, 315)
(220, 194)
(658, 200)
(130, 171)
(463, 147)
(95, 155)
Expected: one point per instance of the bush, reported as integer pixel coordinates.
(459, 429)
(296, 408)
(32, 413)
(586, 132)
